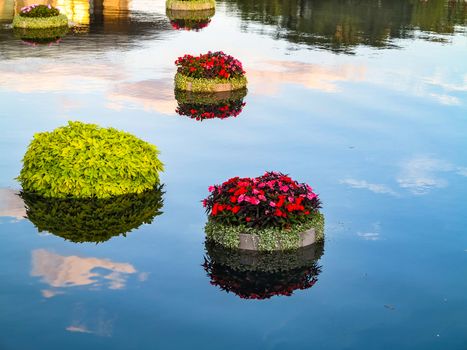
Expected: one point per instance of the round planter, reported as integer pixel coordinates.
(185, 83)
(92, 220)
(267, 239)
(190, 5)
(260, 275)
(40, 23)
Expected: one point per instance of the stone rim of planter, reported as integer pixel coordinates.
(251, 241)
(188, 5)
(185, 83)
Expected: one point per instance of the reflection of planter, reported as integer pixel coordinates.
(40, 22)
(267, 239)
(202, 106)
(190, 5)
(185, 83)
(40, 36)
(190, 20)
(93, 220)
(261, 275)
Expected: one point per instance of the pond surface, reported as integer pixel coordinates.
(364, 100)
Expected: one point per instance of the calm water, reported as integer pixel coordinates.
(364, 100)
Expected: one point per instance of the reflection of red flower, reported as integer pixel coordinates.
(211, 111)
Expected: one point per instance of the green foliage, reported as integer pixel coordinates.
(40, 36)
(270, 238)
(39, 11)
(183, 82)
(190, 5)
(83, 161)
(92, 219)
(40, 23)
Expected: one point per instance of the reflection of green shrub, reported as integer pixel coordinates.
(83, 160)
(40, 36)
(188, 97)
(260, 275)
(190, 15)
(91, 219)
(40, 23)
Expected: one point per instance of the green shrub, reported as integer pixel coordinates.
(182, 82)
(83, 161)
(92, 219)
(40, 22)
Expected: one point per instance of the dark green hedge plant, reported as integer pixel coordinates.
(91, 219)
(86, 161)
(39, 17)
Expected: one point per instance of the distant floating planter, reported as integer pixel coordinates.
(93, 220)
(262, 275)
(190, 5)
(268, 213)
(39, 17)
(211, 72)
(41, 36)
(190, 20)
(86, 161)
(201, 106)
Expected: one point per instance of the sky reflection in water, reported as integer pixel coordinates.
(365, 101)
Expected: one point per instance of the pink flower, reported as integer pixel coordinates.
(211, 188)
(272, 204)
(261, 197)
(284, 188)
(241, 198)
(311, 195)
(291, 199)
(255, 191)
(205, 202)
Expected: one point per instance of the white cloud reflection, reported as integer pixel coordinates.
(11, 205)
(59, 271)
(362, 184)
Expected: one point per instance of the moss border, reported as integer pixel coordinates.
(190, 15)
(269, 239)
(40, 22)
(190, 5)
(182, 82)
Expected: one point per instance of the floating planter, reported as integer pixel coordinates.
(270, 212)
(85, 161)
(90, 219)
(211, 72)
(190, 20)
(39, 17)
(262, 275)
(190, 5)
(201, 106)
(41, 36)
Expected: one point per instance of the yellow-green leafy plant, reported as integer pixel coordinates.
(86, 161)
(91, 219)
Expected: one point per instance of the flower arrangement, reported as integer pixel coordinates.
(41, 11)
(90, 219)
(190, 20)
(84, 161)
(210, 106)
(273, 207)
(39, 17)
(210, 72)
(190, 5)
(262, 275)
